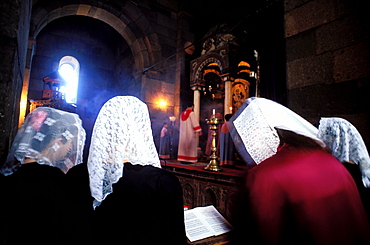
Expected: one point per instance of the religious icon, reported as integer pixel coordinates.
(239, 94)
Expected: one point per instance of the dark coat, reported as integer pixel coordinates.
(146, 207)
(35, 206)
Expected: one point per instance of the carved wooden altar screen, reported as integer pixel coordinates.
(225, 71)
(203, 188)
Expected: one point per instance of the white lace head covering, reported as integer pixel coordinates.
(48, 136)
(256, 123)
(122, 133)
(346, 144)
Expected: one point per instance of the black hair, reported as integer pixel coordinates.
(59, 126)
(228, 116)
(297, 140)
(190, 104)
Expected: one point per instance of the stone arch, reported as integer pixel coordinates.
(126, 19)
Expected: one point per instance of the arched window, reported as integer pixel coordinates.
(69, 69)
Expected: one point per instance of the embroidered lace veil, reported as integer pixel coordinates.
(346, 144)
(49, 136)
(122, 133)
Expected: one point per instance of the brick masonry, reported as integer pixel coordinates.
(328, 60)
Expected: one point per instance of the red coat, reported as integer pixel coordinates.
(305, 197)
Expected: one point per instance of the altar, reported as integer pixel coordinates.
(202, 187)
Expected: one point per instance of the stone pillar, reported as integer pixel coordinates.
(24, 96)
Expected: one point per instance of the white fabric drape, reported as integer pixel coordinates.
(122, 133)
(48, 136)
(346, 144)
(256, 127)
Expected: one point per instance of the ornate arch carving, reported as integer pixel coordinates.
(199, 64)
(211, 197)
(189, 195)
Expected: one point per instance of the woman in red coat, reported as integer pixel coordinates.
(297, 193)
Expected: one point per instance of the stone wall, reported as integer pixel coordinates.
(328, 60)
(14, 26)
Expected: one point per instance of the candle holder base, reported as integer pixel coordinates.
(213, 163)
(213, 166)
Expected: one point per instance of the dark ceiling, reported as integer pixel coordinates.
(233, 13)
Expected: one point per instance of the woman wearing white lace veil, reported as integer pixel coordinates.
(296, 192)
(346, 144)
(254, 131)
(49, 137)
(121, 134)
(126, 179)
(36, 193)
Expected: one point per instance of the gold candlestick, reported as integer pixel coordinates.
(214, 163)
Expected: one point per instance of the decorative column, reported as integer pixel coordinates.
(197, 107)
(228, 95)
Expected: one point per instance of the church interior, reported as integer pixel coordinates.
(309, 55)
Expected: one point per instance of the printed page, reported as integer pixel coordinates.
(215, 220)
(203, 222)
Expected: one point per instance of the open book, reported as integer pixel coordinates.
(203, 222)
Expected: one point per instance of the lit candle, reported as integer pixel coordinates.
(213, 112)
(230, 109)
